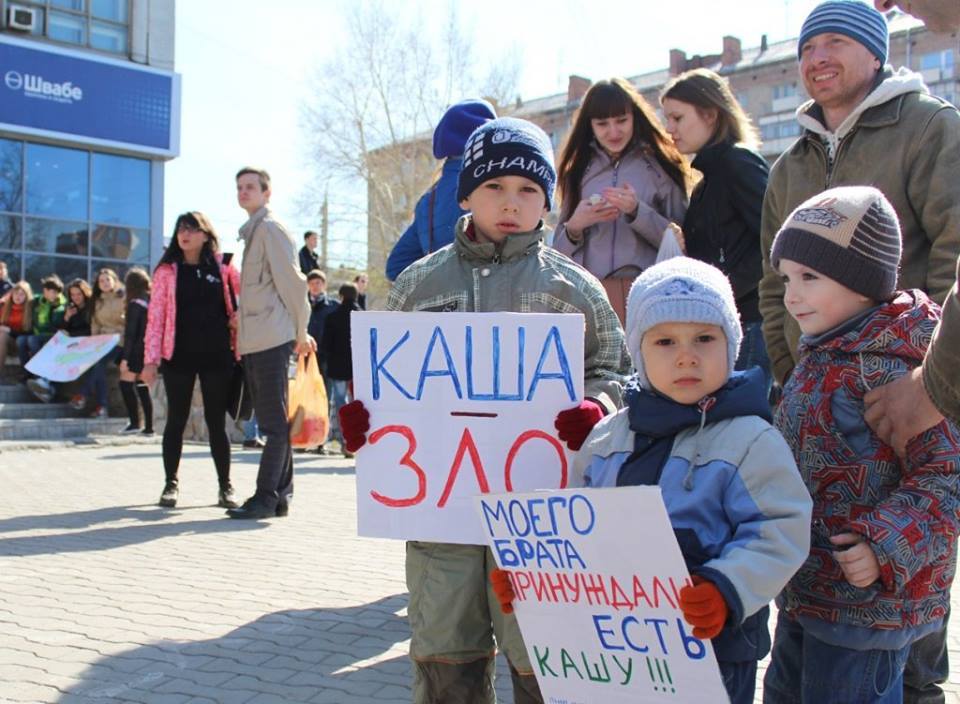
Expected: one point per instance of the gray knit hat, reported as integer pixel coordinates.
(851, 18)
(681, 290)
(850, 234)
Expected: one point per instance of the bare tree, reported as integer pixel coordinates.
(372, 114)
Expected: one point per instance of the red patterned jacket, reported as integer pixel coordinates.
(907, 511)
(162, 314)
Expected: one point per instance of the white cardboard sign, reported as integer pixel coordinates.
(460, 404)
(597, 573)
(65, 358)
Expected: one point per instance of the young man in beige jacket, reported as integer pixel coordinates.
(273, 323)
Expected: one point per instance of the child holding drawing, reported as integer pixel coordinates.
(701, 432)
(497, 262)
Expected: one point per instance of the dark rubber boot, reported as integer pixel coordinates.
(460, 683)
(526, 690)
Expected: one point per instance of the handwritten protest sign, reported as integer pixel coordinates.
(65, 358)
(460, 404)
(597, 573)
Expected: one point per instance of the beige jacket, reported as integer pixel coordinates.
(899, 139)
(273, 292)
(109, 314)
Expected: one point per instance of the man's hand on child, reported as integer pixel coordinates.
(704, 608)
(901, 410)
(354, 424)
(574, 424)
(500, 580)
(856, 558)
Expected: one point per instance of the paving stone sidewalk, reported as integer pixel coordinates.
(106, 598)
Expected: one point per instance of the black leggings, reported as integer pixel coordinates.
(215, 388)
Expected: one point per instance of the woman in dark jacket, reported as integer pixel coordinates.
(137, 286)
(338, 356)
(722, 223)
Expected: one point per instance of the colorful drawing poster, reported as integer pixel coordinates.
(460, 404)
(65, 358)
(597, 573)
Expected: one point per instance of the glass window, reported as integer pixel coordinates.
(75, 5)
(11, 175)
(115, 10)
(124, 243)
(67, 28)
(67, 268)
(10, 232)
(56, 236)
(56, 182)
(119, 267)
(12, 260)
(121, 190)
(108, 37)
(784, 90)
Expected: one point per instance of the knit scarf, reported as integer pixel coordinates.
(656, 420)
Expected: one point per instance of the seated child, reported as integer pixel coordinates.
(883, 537)
(701, 432)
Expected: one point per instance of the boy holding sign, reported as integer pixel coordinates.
(497, 262)
(702, 433)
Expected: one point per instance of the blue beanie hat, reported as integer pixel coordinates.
(457, 123)
(681, 290)
(507, 146)
(852, 18)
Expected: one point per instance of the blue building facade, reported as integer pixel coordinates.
(86, 126)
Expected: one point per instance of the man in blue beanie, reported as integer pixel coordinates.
(438, 210)
(867, 124)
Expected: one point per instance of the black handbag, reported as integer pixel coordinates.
(240, 402)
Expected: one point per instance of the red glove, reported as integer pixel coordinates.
(354, 424)
(575, 424)
(500, 580)
(704, 608)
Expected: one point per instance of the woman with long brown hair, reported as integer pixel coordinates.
(623, 186)
(16, 317)
(190, 334)
(722, 224)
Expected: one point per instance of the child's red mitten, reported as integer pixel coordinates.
(704, 608)
(574, 424)
(500, 580)
(354, 424)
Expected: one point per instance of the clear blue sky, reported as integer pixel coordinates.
(246, 68)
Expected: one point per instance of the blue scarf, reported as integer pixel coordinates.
(656, 420)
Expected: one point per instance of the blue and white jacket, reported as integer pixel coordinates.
(735, 499)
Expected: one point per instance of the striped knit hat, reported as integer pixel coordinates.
(852, 18)
(850, 234)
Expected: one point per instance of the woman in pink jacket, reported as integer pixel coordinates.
(622, 184)
(191, 332)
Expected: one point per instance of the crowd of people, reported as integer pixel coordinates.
(820, 278)
(765, 344)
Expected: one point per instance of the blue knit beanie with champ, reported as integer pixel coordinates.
(458, 123)
(507, 146)
(681, 290)
(852, 18)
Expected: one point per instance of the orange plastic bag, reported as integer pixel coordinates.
(308, 410)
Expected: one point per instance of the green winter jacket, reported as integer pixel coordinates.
(47, 316)
(904, 142)
(521, 275)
